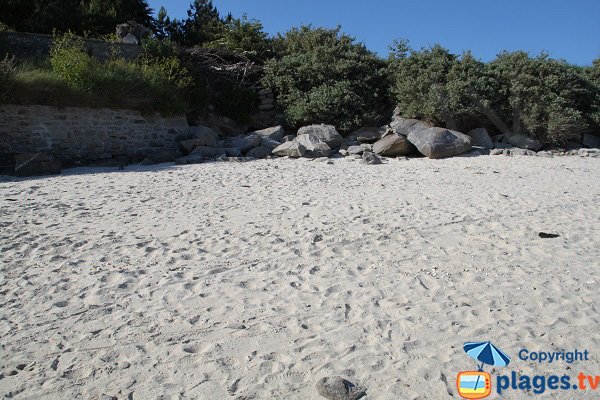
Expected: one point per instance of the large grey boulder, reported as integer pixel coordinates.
(36, 164)
(276, 133)
(323, 133)
(244, 143)
(315, 146)
(404, 126)
(393, 145)
(480, 138)
(338, 388)
(371, 158)
(439, 142)
(353, 150)
(591, 141)
(290, 149)
(525, 142)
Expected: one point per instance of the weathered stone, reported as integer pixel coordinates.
(496, 152)
(480, 138)
(323, 133)
(290, 149)
(338, 388)
(276, 133)
(36, 164)
(404, 126)
(370, 158)
(589, 153)
(259, 152)
(315, 147)
(355, 150)
(591, 141)
(525, 142)
(393, 145)
(130, 39)
(439, 142)
(288, 138)
(147, 161)
(244, 143)
(515, 151)
(499, 145)
(269, 143)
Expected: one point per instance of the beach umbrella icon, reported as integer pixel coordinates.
(486, 353)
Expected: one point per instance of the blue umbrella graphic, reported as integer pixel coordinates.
(486, 353)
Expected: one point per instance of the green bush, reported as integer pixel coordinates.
(71, 63)
(545, 98)
(323, 75)
(7, 76)
(244, 36)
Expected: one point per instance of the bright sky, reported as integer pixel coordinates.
(568, 29)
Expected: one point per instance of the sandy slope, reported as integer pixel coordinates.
(254, 280)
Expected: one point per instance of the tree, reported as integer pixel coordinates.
(244, 36)
(202, 25)
(323, 75)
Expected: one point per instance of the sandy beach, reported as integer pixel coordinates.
(254, 280)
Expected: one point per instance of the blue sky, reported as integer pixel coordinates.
(566, 29)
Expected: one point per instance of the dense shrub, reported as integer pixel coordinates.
(323, 75)
(545, 98)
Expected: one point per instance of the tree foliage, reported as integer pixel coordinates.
(84, 17)
(323, 75)
(516, 93)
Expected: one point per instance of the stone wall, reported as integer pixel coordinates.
(88, 135)
(26, 46)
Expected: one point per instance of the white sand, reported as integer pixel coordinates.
(203, 282)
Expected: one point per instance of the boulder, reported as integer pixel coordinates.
(480, 138)
(288, 138)
(355, 150)
(269, 143)
(439, 142)
(164, 156)
(323, 133)
(591, 141)
(371, 158)
(259, 152)
(315, 146)
(404, 126)
(393, 145)
(147, 161)
(244, 143)
(36, 164)
(276, 133)
(338, 388)
(498, 145)
(289, 149)
(525, 142)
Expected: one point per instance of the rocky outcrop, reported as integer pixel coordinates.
(366, 135)
(439, 142)
(276, 133)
